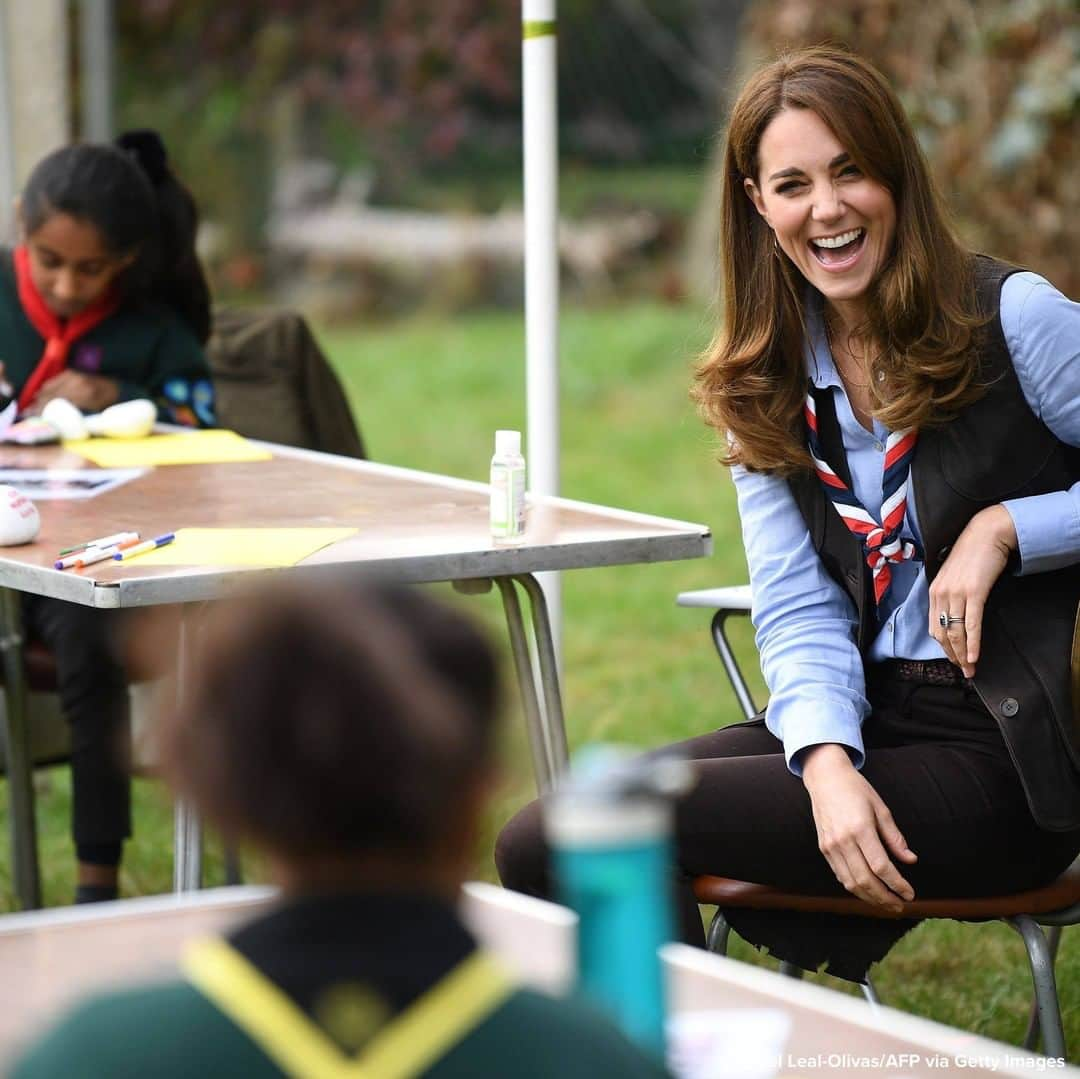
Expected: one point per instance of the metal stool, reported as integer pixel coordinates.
(1055, 905)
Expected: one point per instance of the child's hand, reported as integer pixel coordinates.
(91, 393)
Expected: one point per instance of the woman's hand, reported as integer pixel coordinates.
(856, 831)
(91, 393)
(964, 581)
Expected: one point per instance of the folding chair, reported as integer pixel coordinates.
(1056, 905)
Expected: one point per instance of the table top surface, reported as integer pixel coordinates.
(411, 526)
(52, 957)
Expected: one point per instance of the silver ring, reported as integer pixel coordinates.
(946, 620)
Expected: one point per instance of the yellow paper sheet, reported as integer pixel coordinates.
(239, 547)
(192, 448)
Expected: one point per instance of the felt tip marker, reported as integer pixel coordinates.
(142, 548)
(95, 554)
(105, 541)
(89, 555)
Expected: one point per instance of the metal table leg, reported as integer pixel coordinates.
(543, 710)
(187, 828)
(549, 674)
(20, 769)
(530, 701)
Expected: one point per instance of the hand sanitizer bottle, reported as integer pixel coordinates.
(507, 489)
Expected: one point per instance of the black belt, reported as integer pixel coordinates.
(934, 672)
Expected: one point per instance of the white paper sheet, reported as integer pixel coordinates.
(39, 484)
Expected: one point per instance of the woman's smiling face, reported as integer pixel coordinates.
(835, 223)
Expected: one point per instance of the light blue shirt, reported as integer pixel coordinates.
(805, 622)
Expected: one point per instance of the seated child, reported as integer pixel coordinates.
(102, 300)
(348, 736)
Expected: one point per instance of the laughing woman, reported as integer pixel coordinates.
(902, 419)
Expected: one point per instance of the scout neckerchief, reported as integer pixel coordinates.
(59, 333)
(882, 543)
(407, 1046)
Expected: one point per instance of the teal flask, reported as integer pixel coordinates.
(610, 830)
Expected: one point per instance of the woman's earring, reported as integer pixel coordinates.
(775, 247)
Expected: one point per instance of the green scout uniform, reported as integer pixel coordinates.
(145, 347)
(368, 987)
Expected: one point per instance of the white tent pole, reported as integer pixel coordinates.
(540, 112)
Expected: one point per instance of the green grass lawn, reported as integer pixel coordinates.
(638, 669)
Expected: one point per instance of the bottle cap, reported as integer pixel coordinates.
(615, 796)
(508, 443)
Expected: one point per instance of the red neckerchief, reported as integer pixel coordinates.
(59, 333)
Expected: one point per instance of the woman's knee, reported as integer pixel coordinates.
(521, 854)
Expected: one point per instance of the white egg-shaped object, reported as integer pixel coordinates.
(66, 418)
(129, 419)
(19, 520)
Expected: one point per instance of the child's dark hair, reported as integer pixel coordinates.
(179, 280)
(129, 194)
(336, 721)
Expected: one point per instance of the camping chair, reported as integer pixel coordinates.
(1054, 906)
(273, 383)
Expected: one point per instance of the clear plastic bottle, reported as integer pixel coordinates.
(507, 489)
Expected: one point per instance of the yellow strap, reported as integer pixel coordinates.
(405, 1047)
(538, 28)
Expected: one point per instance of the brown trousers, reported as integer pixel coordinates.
(934, 755)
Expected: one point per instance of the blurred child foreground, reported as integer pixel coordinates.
(348, 736)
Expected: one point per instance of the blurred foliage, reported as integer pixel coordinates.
(413, 94)
(237, 88)
(423, 71)
(993, 88)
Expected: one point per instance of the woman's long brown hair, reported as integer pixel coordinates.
(921, 310)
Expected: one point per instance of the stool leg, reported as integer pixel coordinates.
(1042, 977)
(731, 664)
(1031, 1036)
(719, 931)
